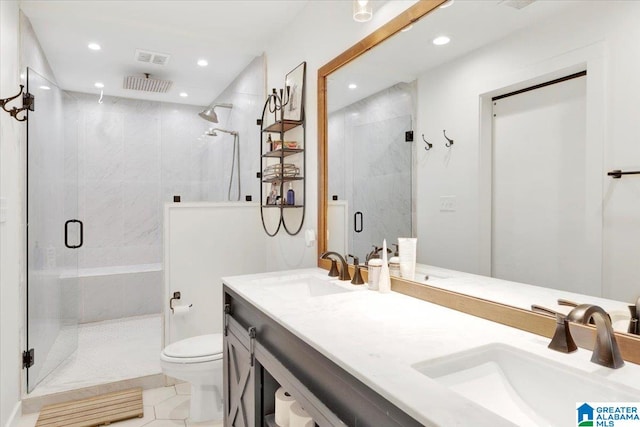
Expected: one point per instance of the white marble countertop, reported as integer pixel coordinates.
(378, 337)
(518, 294)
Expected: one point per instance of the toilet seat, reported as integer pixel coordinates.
(199, 349)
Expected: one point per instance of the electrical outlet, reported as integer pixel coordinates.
(447, 203)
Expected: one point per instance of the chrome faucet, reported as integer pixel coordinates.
(344, 271)
(605, 350)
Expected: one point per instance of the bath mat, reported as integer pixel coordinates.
(94, 411)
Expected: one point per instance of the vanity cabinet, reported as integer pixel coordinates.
(239, 377)
(261, 355)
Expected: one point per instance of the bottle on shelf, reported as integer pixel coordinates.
(291, 195)
(273, 195)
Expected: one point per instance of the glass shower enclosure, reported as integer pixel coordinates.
(54, 231)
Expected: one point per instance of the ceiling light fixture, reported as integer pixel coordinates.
(99, 85)
(362, 10)
(45, 87)
(407, 28)
(446, 4)
(203, 62)
(184, 94)
(442, 40)
(94, 46)
(353, 86)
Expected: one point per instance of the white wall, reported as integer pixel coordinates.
(203, 243)
(323, 30)
(600, 37)
(12, 135)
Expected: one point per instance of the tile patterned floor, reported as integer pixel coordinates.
(163, 407)
(109, 351)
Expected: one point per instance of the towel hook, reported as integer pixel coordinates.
(450, 143)
(429, 145)
(27, 104)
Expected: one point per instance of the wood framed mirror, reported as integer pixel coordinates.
(492, 310)
(388, 30)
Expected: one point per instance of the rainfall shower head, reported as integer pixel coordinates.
(209, 113)
(212, 132)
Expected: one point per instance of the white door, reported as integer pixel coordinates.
(543, 223)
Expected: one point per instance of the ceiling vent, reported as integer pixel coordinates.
(149, 57)
(147, 84)
(516, 4)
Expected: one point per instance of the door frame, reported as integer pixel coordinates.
(591, 59)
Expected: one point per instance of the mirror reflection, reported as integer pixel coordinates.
(518, 111)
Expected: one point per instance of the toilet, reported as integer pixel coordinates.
(198, 360)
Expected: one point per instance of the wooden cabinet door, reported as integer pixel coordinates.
(239, 382)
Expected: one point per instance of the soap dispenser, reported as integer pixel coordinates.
(374, 266)
(394, 263)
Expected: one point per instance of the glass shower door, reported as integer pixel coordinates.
(54, 232)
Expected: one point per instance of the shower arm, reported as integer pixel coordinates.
(230, 132)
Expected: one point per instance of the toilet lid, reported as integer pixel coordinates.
(200, 346)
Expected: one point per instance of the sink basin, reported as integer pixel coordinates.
(522, 387)
(305, 287)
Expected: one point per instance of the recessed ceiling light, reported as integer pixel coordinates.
(45, 87)
(407, 28)
(203, 62)
(99, 85)
(353, 86)
(446, 4)
(94, 46)
(184, 94)
(439, 41)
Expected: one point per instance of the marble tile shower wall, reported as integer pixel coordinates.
(247, 94)
(369, 135)
(133, 156)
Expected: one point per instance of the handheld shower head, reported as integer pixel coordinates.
(209, 113)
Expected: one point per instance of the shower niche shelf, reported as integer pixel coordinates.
(275, 130)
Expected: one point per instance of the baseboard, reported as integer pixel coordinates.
(14, 418)
(33, 404)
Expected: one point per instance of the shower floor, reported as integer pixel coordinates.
(108, 351)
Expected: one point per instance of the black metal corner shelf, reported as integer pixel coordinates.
(283, 125)
(285, 179)
(280, 206)
(282, 152)
(273, 121)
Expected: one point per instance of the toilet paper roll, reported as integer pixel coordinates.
(283, 403)
(298, 417)
(181, 310)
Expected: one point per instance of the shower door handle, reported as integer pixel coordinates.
(66, 234)
(355, 222)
